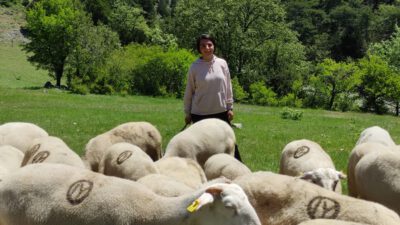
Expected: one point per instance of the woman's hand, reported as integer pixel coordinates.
(230, 115)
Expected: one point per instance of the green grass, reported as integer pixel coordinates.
(16, 71)
(77, 118)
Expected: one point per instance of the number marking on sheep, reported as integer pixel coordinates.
(301, 151)
(40, 157)
(123, 156)
(34, 149)
(78, 191)
(323, 207)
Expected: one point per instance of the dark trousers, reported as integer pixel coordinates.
(222, 116)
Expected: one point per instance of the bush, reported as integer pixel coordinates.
(164, 74)
(346, 102)
(290, 100)
(79, 89)
(288, 113)
(239, 94)
(261, 95)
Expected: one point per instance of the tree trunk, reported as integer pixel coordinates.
(59, 70)
(333, 96)
(397, 108)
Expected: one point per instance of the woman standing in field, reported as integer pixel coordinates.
(208, 91)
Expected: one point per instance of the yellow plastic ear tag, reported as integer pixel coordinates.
(193, 207)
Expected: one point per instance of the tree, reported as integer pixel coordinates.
(310, 20)
(129, 22)
(385, 21)
(336, 78)
(389, 50)
(50, 26)
(379, 84)
(252, 35)
(99, 9)
(91, 48)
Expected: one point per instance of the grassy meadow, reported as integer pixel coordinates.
(77, 118)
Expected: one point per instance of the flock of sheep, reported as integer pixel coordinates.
(123, 179)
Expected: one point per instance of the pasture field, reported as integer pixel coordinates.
(16, 71)
(78, 118)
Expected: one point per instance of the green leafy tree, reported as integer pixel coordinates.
(129, 22)
(164, 74)
(99, 9)
(377, 83)
(261, 95)
(389, 50)
(310, 20)
(349, 30)
(384, 23)
(252, 35)
(50, 26)
(336, 78)
(92, 46)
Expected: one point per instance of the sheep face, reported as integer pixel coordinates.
(230, 206)
(327, 178)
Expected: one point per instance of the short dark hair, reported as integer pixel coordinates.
(205, 37)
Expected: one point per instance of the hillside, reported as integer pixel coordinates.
(15, 70)
(11, 20)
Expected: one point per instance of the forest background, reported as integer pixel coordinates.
(339, 55)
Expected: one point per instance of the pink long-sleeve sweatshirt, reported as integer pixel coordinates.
(208, 88)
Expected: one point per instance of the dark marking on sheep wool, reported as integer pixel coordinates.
(34, 149)
(40, 157)
(301, 151)
(323, 208)
(79, 191)
(124, 156)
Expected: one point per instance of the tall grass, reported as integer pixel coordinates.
(77, 118)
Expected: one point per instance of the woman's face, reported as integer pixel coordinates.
(206, 48)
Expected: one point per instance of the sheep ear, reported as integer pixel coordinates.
(306, 176)
(204, 199)
(214, 191)
(342, 175)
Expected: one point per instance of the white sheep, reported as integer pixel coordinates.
(184, 170)
(308, 160)
(356, 154)
(127, 161)
(142, 134)
(329, 222)
(51, 149)
(169, 187)
(224, 165)
(49, 194)
(378, 178)
(20, 134)
(376, 134)
(164, 185)
(202, 140)
(280, 199)
(10, 159)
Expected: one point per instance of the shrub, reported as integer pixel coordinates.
(164, 74)
(290, 100)
(261, 95)
(239, 94)
(79, 89)
(288, 113)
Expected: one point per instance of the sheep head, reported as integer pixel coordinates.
(327, 178)
(225, 204)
